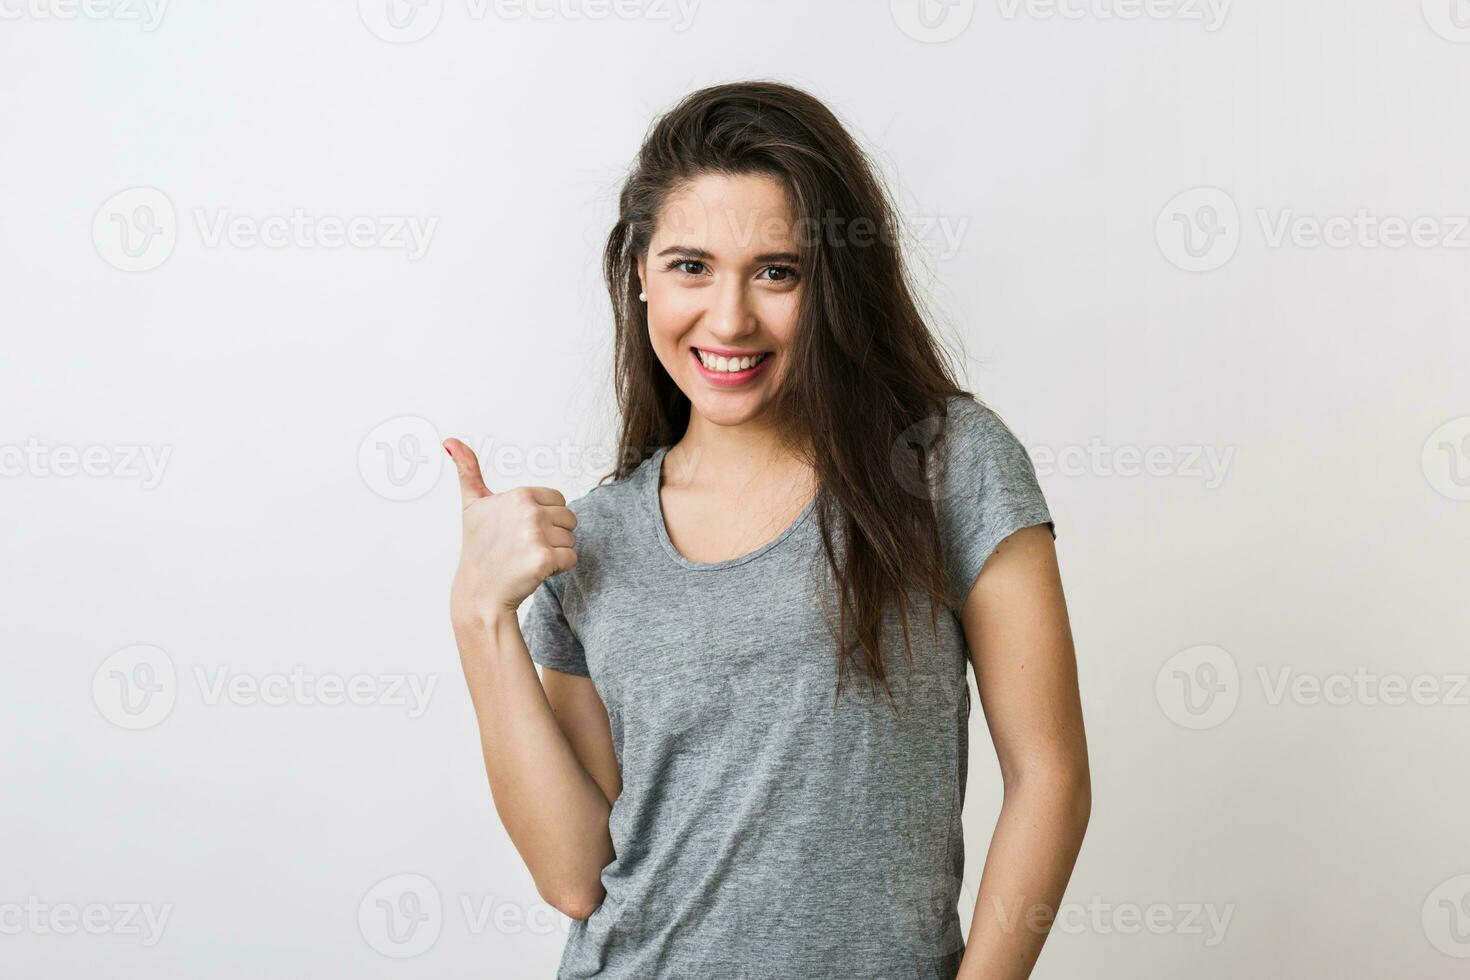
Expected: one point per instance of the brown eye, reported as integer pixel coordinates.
(683, 266)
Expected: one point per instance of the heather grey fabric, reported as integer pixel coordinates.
(764, 831)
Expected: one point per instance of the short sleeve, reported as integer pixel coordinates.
(986, 490)
(549, 636)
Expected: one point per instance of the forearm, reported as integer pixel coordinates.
(553, 810)
(1033, 850)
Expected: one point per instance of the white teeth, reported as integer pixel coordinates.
(716, 362)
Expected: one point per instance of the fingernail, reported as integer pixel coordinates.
(446, 450)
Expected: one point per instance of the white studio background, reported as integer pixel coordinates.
(1209, 260)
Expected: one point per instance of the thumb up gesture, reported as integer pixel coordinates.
(512, 541)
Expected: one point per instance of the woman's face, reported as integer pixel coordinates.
(723, 288)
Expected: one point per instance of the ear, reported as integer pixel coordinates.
(642, 277)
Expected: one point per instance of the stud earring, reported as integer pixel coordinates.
(643, 297)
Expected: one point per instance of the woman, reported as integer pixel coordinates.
(746, 753)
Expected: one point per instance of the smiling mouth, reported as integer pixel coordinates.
(723, 364)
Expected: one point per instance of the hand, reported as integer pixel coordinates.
(512, 542)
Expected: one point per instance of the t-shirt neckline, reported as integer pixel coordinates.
(651, 491)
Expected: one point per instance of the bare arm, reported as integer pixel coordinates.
(552, 808)
(1020, 641)
(583, 719)
(547, 750)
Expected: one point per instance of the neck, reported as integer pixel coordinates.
(729, 456)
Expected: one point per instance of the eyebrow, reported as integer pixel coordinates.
(699, 253)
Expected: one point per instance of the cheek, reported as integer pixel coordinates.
(662, 328)
(664, 332)
(780, 316)
(672, 316)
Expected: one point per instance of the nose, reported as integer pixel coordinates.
(730, 314)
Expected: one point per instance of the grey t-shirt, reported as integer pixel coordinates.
(762, 831)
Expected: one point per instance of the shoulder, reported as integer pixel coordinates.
(979, 460)
(985, 489)
(977, 428)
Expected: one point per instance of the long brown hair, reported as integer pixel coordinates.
(865, 371)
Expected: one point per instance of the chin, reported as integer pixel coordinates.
(728, 407)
